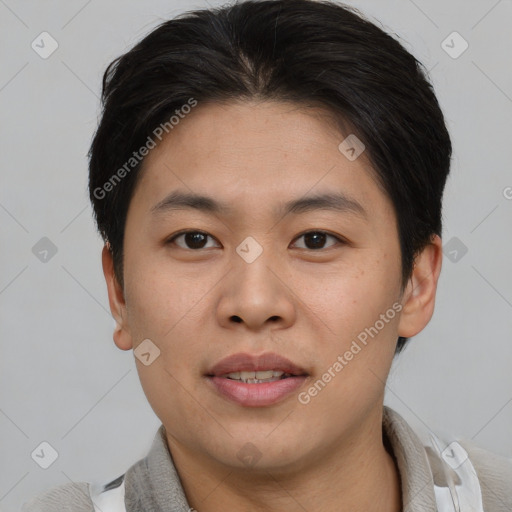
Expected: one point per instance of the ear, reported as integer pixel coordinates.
(122, 337)
(419, 296)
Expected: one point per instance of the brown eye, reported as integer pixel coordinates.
(315, 240)
(193, 240)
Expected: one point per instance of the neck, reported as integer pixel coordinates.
(357, 474)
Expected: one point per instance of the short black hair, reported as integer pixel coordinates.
(308, 52)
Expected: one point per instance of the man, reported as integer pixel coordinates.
(268, 180)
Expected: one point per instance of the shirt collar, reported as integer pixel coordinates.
(153, 483)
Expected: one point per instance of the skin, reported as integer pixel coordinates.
(304, 303)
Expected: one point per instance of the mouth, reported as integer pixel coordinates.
(256, 381)
(258, 377)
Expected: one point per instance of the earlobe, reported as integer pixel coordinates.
(122, 337)
(419, 297)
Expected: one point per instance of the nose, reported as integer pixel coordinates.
(257, 295)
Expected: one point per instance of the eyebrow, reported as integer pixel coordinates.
(338, 202)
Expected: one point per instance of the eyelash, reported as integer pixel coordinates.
(316, 231)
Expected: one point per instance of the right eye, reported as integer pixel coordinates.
(193, 239)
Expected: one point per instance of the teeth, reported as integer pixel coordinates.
(255, 377)
(268, 374)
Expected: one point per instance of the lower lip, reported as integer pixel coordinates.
(257, 395)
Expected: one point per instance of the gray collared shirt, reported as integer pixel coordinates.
(153, 485)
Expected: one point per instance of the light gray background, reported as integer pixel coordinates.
(63, 380)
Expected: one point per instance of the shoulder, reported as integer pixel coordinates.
(495, 476)
(71, 497)
(486, 478)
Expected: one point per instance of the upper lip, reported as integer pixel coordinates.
(243, 362)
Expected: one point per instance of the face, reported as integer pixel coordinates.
(291, 268)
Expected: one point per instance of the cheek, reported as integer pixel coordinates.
(359, 324)
(354, 296)
(167, 308)
(156, 296)
(162, 308)
(355, 338)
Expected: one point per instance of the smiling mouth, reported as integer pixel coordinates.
(257, 377)
(251, 380)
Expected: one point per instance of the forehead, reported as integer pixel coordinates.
(250, 154)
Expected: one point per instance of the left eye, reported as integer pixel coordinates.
(316, 239)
